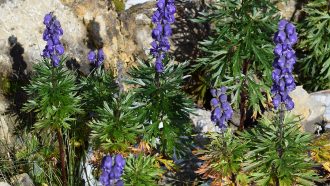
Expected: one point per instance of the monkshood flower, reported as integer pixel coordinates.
(221, 109)
(112, 169)
(96, 58)
(283, 81)
(53, 49)
(163, 18)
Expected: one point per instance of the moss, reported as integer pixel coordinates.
(4, 84)
(119, 5)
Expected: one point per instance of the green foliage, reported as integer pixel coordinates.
(142, 171)
(321, 152)
(164, 106)
(315, 30)
(119, 5)
(118, 126)
(272, 157)
(53, 98)
(4, 84)
(223, 157)
(239, 53)
(38, 158)
(97, 87)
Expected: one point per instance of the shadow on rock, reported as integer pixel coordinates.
(18, 80)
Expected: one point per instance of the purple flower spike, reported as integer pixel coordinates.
(96, 59)
(221, 109)
(53, 49)
(111, 173)
(283, 81)
(163, 17)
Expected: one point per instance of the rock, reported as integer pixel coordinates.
(287, 8)
(310, 109)
(324, 98)
(327, 127)
(6, 124)
(4, 184)
(130, 3)
(22, 180)
(24, 21)
(202, 121)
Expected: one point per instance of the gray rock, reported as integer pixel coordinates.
(202, 121)
(130, 3)
(22, 180)
(24, 20)
(6, 124)
(4, 184)
(327, 127)
(324, 98)
(310, 109)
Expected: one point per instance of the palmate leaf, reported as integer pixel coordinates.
(53, 95)
(164, 106)
(242, 33)
(263, 161)
(118, 125)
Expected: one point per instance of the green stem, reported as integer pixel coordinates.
(281, 135)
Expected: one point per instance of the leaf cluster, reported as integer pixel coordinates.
(321, 152)
(272, 156)
(222, 158)
(141, 170)
(118, 126)
(314, 44)
(53, 96)
(164, 106)
(97, 87)
(241, 39)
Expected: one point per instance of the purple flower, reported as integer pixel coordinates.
(163, 17)
(104, 178)
(283, 81)
(53, 49)
(119, 160)
(112, 171)
(221, 109)
(120, 183)
(96, 59)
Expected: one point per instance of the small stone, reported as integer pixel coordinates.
(327, 127)
(22, 180)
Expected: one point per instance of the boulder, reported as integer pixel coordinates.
(23, 20)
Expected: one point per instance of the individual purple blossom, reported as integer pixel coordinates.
(96, 59)
(283, 81)
(163, 17)
(221, 109)
(53, 49)
(112, 170)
